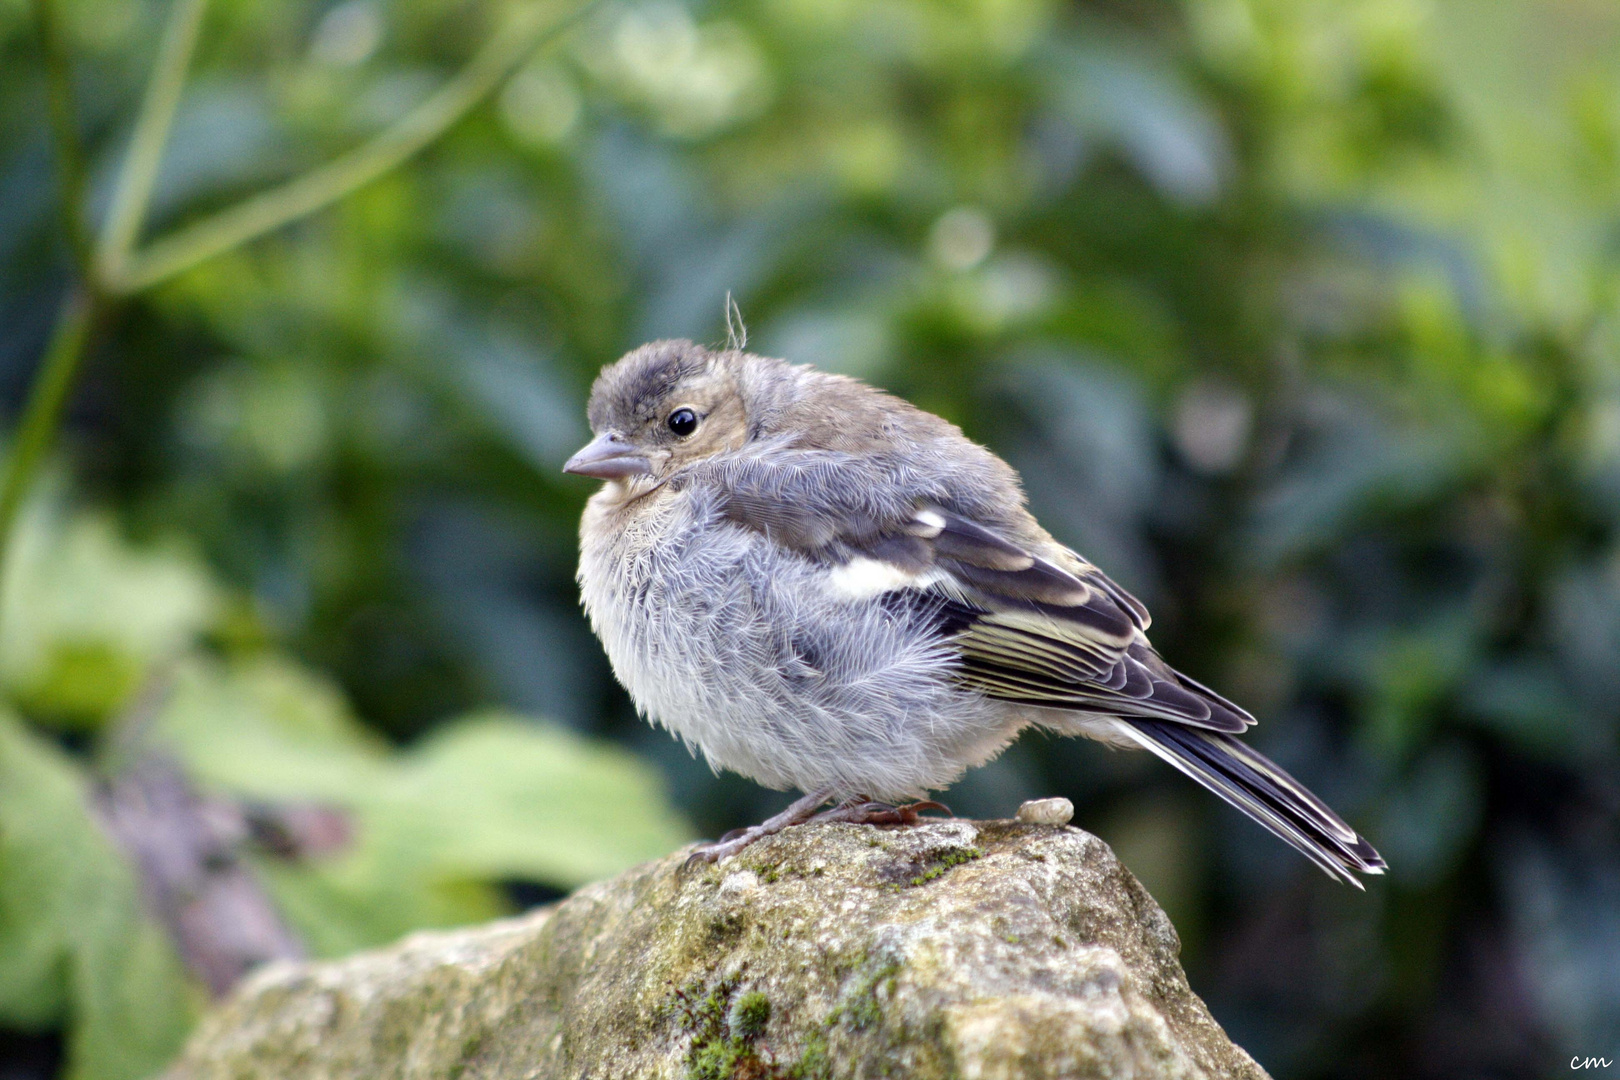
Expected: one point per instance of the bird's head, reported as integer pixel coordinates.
(662, 406)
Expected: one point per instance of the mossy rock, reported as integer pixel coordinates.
(953, 949)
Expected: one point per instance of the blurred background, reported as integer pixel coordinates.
(1300, 317)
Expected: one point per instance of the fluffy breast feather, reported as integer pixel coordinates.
(774, 666)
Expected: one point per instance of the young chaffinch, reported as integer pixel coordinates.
(827, 589)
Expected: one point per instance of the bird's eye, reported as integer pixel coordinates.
(682, 422)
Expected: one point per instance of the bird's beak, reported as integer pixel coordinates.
(609, 457)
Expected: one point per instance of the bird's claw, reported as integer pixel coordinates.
(880, 813)
(911, 813)
(728, 845)
(854, 812)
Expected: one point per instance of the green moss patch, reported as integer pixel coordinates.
(725, 1026)
(862, 1007)
(944, 862)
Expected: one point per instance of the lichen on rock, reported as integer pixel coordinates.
(952, 949)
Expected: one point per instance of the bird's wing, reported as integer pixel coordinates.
(1028, 629)
(1033, 624)
(1067, 637)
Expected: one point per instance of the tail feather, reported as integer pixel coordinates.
(1260, 788)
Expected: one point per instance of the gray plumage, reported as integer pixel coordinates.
(825, 588)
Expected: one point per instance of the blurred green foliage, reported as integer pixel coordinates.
(1298, 316)
(74, 941)
(130, 650)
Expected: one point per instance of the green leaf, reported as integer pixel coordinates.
(270, 729)
(490, 798)
(85, 614)
(75, 943)
(499, 796)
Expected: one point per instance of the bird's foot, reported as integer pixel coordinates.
(866, 812)
(734, 841)
(853, 811)
(729, 844)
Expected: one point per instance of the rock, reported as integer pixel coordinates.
(955, 948)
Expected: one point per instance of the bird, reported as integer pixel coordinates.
(828, 590)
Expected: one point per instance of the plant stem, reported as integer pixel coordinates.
(139, 173)
(47, 397)
(328, 183)
(115, 271)
(43, 414)
(69, 157)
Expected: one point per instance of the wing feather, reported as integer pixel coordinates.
(1032, 621)
(1042, 634)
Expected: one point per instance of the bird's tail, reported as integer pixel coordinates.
(1260, 788)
